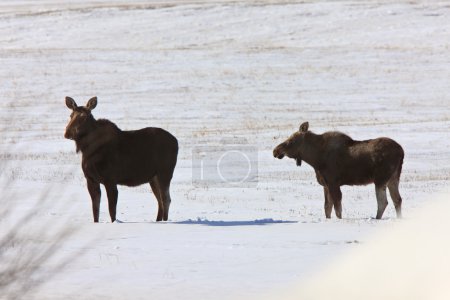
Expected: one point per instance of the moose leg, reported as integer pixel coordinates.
(95, 192)
(381, 199)
(328, 203)
(395, 195)
(155, 189)
(111, 191)
(164, 185)
(336, 196)
(165, 195)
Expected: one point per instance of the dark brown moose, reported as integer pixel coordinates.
(114, 157)
(339, 160)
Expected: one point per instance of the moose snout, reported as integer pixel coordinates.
(68, 135)
(278, 152)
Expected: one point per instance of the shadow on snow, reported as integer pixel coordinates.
(234, 223)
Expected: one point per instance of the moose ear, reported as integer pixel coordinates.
(92, 103)
(304, 127)
(71, 103)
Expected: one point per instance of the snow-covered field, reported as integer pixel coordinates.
(239, 74)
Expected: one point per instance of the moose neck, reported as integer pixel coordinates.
(85, 141)
(100, 133)
(311, 150)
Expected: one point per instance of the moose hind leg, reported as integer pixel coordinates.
(166, 200)
(155, 188)
(380, 191)
(395, 195)
(165, 197)
(111, 191)
(164, 186)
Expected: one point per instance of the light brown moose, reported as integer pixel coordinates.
(339, 160)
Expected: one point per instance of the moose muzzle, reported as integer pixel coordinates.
(278, 152)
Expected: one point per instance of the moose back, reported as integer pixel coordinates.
(114, 157)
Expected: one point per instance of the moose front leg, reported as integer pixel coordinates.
(336, 198)
(95, 192)
(328, 203)
(326, 192)
(111, 191)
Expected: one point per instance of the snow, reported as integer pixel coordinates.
(248, 72)
(409, 261)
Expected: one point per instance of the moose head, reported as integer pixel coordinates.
(292, 147)
(81, 119)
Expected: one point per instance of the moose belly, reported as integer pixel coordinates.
(357, 181)
(132, 174)
(357, 174)
(133, 181)
(120, 172)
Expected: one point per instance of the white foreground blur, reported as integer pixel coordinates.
(408, 261)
